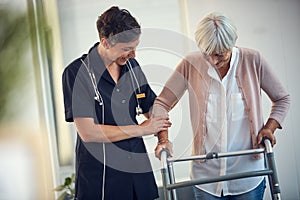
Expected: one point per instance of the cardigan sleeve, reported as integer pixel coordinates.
(272, 86)
(173, 90)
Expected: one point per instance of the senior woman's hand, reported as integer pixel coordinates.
(266, 133)
(163, 145)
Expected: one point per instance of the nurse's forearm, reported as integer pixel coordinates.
(91, 132)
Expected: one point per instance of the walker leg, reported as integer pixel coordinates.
(165, 182)
(273, 178)
(172, 180)
(165, 173)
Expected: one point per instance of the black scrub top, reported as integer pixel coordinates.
(128, 172)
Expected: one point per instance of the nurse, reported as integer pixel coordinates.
(104, 90)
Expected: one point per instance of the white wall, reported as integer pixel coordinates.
(270, 26)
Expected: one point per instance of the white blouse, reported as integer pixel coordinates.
(227, 130)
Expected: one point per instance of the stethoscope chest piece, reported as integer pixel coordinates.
(138, 110)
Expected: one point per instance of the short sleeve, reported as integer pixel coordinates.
(78, 92)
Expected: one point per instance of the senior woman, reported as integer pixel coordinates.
(225, 83)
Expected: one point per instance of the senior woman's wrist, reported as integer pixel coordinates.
(163, 141)
(162, 137)
(272, 125)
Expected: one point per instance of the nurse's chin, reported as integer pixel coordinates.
(122, 62)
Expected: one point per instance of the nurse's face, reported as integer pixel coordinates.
(121, 52)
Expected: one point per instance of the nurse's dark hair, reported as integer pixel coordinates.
(118, 26)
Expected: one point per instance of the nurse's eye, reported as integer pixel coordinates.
(127, 49)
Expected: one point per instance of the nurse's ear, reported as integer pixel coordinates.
(104, 43)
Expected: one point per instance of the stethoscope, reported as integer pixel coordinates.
(98, 96)
(138, 109)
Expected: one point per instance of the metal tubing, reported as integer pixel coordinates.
(214, 155)
(172, 179)
(168, 172)
(273, 179)
(164, 172)
(219, 178)
(163, 159)
(268, 146)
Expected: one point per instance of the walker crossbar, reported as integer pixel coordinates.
(168, 177)
(215, 155)
(220, 178)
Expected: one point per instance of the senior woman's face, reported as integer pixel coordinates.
(220, 59)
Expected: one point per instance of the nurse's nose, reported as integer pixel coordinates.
(131, 54)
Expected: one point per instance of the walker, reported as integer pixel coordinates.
(170, 185)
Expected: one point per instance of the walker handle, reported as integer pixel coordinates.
(267, 144)
(164, 154)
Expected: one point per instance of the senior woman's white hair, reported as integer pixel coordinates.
(215, 33)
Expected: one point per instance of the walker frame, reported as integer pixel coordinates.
(170, 185)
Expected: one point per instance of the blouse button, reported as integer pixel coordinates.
(123, 101)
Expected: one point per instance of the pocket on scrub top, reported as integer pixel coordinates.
(237, 106)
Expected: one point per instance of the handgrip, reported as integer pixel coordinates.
(267, 144)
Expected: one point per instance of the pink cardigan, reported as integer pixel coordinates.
(252, 73)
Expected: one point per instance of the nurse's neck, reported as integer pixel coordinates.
(102, 51)
(112, 67)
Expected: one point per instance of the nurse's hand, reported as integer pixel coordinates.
(155, 125)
